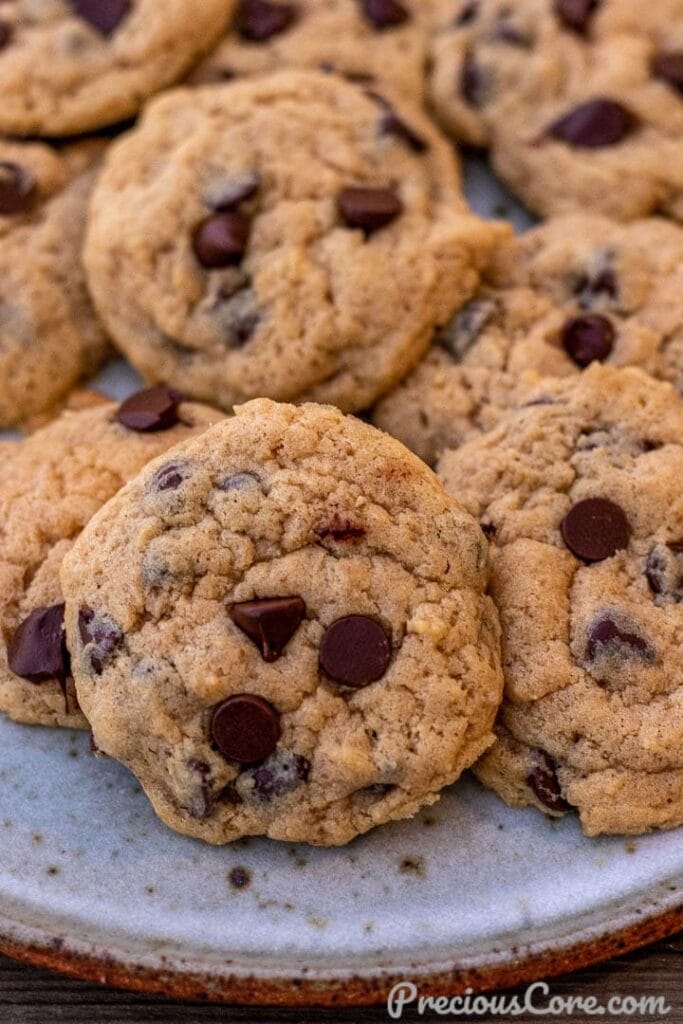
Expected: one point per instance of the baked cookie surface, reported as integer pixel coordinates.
(300, 643)
(581, 500)
(50, 336)
(374, 43)
(580, 102)
(289, 236)
(575, 290)
(72, 66)
(53, 483)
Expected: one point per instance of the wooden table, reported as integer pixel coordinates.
(28, 996)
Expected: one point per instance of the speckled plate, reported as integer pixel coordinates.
(469, 893)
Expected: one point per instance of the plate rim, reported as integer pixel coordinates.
(500, 969)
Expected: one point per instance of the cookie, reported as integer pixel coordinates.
(54, 482)
(578, 289)
(373, 42)
(292, 237)
(50, 336)
(73, 66)
(582, 502)
(299, 642)
(579, 102)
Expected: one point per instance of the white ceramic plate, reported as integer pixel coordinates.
(470, 892)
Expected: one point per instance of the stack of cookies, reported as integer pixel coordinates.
(247, 579)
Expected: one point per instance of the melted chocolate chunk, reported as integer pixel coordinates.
(103, 15)
(465, 328)
(259, 20)
(576, 14)
(280, 774)
(384, 13)
(664, 571)
(588, 339)
(18, 189)
(668, 66)
(607, 638)
(340, 529)
(594, 125)
(37, 651)
(101, 638)
(151, 410)
(369, 208)
(545, 784)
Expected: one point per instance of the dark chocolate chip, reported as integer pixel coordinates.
(588, 339)
(369, 208)
(597, 286)
(545, 784)
(595, 529)
(100, 635)
(340, 529)
(506, 32)
(259, 20)
(280, 774)
(576, 14)
(669, 67)
(237, 192)
(594, 124)
(664, 571)
(151, 410)
(489, 530)
(37, 651)
(104, 15)
(18, 189)
(391, 124)
(472, 82)
(6, 33)
(468, 14)
(221, 240)
(355, 651)
(384, 13)
(607, 638)
(245, 728)
(462, 332)
(170, 476)
(270, 622)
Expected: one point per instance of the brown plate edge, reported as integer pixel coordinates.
(351, 990)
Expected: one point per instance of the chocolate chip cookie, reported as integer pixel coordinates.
(50, 336)
(373, 42)
(299, 644)
(71, 66)
(580, 101)
(581, 500)
(579, 289)
(290, 236)
(52, 483)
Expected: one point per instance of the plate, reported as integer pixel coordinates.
(469, 893)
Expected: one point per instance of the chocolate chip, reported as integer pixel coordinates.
(37, 651)
(104, 15)
(355, 651)
(239, 316)
(468, 14)
(151, 410)
(384, 13)
(545, 784)
(100, 636)
(240, 482)
(664, 571)
(270, 622)
(221, 240)
(597, 286)
(258, 20)
(170, 476)
(339, 529)
(472, 83)
(595, 529)
(607, 638)
(245, 728)
(588, 339)
(489, 530)
(369, 208)
(391, 124)
(594, 124)
(18, 189)
(669, 67)
(6, 33)
(506, 32)
(237, 192)
(576, 14)
(462, 332)
(280, 774)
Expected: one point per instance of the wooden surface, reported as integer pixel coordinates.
(28, 996)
